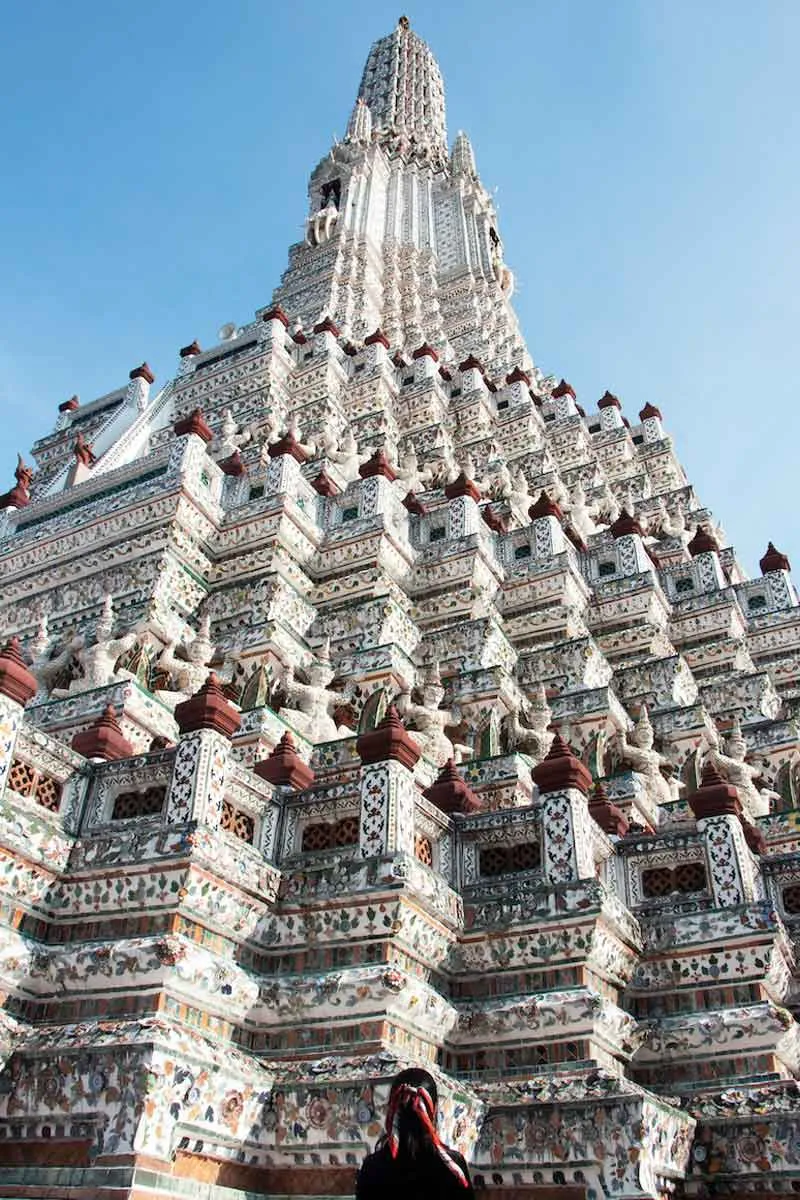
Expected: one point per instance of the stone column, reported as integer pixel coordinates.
(629, 536)
(388, 791)
(17, 687)
(378, 476)
(138, 391)
(207, 722)
(728, 840)
(563, 394)
(283, 474)
(610, 413)
(652, 429)
(425, 361)
(564, 784)
(548, 532)
(465, 516)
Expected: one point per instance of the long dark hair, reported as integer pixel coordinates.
(414, 1138)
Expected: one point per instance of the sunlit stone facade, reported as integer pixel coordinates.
(369, 701)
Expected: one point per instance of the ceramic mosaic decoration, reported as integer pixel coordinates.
(367, 701)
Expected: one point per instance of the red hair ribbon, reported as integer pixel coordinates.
(419, 1101)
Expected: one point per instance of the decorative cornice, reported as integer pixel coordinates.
(209, 708)
(378, 464)
(284, 767)
(561, 770)
(563, 389)
(702, 543)
(276, 313)
(462, 487)
(625, 525)
(518, 376)
(451, 793)
(103, 739)
(545, 507)
(16, 681)
(324, 485)
(288, 444)
(611, 819)
(195, 423)
(327, 325)
(142, 372)
(233, 465)
(773, 560)
(388, 741)
(714, 797)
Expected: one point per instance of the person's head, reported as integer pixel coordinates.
(411, 1131)
(411, 1114)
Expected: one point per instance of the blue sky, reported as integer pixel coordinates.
(645, 154)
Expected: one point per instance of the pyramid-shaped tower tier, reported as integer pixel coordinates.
(368, 701)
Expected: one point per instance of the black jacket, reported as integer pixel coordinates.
(425, 1178)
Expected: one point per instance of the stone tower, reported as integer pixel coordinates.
(366, 700)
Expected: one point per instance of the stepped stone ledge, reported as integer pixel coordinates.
(365, 700)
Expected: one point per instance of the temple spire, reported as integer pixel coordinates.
(402, 85)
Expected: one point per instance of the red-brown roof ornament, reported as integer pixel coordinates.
(142, 372)
(518, 376)
(611, 819)
(561, 770)
(649, 411)
(288, 444)
(425, 351)
(299, 338)
(563, 389)
(285, 767)
(350, 349)
(378, 464)
(233, 465)
(276, 313)
(608, 400)
(70, 405)
(471, 363)
(495, 521)
(324, 485)
(462, 487)
(83, 451)
(190, 351)
(16, 681)
(388, 741)
(399, 361)
(209, 708)
(571, 533)
(451, 793)
(445, 375)
(702, 543)
(414, 505)
(378, 338)
(103, 739)
(625, 525)
(773, 560)
(714, 797)
(327, 325)
(545, 507)
(19, 495)
(195, 423)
